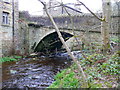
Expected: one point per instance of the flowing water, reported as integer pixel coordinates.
(37, 72)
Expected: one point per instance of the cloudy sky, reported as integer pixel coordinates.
(35, 7)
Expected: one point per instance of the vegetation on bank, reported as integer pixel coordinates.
(102, 72)
(9, 58)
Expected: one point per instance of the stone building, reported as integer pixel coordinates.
(8, 25)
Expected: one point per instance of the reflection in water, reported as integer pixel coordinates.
(32, 72)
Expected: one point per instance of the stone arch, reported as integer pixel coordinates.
(50, 41)
(49, 31)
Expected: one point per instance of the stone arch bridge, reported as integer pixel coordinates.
(32, 37)
(45, 39)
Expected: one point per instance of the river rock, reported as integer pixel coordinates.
(13, 71)
(77, 54)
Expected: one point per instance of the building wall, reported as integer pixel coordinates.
(6, 30)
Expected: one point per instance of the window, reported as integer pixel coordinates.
(5, 18)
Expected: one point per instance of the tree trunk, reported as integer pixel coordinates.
(105, 29)
(85, 84)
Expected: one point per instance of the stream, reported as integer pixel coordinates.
(32, 72)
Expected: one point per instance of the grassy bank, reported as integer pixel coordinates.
(101, 71)
(9, 58)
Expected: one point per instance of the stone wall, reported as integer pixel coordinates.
(36, 35)
(115, 21)
(7, 29)
(82, 22)
(22, 39)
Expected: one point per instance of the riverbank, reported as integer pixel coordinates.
(101, 71)
(9, 58)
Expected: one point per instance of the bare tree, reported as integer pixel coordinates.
(105, 22)
(85, 84)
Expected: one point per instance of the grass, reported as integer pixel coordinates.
(115, 39)
(8, 59)
(65, 79)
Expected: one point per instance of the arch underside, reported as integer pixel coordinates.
(51, 42)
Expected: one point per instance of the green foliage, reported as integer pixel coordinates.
(8, 59)
(111, 67)
(96, 72)
(17, 57)
(95, 85)
(115, 39)
(91, 59)
(65, 79)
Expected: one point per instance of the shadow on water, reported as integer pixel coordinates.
(35, 72)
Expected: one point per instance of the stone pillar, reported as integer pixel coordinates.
(16, 35)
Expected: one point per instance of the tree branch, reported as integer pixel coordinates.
(66, 47)
(74, 31)
(71, 8)
(101, 19)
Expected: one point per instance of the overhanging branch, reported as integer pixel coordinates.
(101, 19)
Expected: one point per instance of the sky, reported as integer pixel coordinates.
(35, 7)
